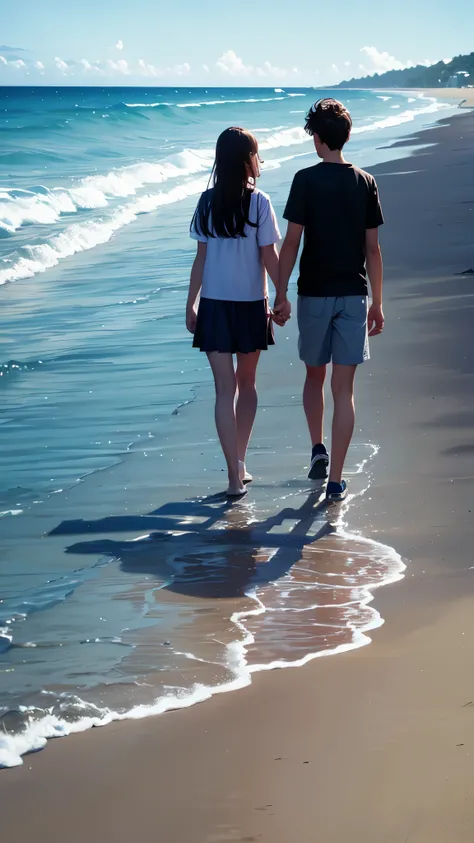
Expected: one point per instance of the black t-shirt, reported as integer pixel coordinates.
(336, 203)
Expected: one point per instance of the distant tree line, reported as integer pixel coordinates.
(435, 76)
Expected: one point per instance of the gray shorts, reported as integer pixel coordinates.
(333, 328)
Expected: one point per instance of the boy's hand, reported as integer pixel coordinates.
(375, 320)
(191, 319)
(281, 310)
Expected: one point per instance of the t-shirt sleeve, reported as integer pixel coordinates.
(193, 232)
(268, 231)
(295, 210)
(374, 216)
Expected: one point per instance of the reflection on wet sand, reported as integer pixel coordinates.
(291, 585)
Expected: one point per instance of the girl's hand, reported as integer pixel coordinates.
(191, 318)
(281, 310)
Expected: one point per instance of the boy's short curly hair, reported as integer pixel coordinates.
(331, 121)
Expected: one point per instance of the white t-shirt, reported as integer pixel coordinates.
(234, 270)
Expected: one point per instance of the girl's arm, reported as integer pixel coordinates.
(271, 262)
(195, 285)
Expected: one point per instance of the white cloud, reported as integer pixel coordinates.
(61, 65)
(91, 67)
(347, 64)
(380, 62)
(17, 64)
(119, 45)
(121, 66)
(181, 69)
(295, 70)
(145, 69)
(335, 68)
(206, 68)
(39, 65)
(267, 69)
(231, 63)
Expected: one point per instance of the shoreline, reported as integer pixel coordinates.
(464, 95)
(247, 770)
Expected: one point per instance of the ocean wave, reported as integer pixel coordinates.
(201, 103)
(297, 135)
(287, 137)
(41, 205)
(398, 119)
(44, 206)
(13, 367)
(81, 237)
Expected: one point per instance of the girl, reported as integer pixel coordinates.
(236, 229)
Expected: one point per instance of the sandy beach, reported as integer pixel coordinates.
(375, 744)
(464, 95)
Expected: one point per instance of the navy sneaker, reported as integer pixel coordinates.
(318, 469)
(336, 491)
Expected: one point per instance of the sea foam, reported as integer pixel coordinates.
(44, 206)
(81, 237)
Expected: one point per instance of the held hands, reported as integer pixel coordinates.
(375, 320)
(191, 318)
(281, 310)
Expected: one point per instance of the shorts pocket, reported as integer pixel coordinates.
(311, 307)
(356, 307)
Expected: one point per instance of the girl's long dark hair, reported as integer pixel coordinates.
(223, 210)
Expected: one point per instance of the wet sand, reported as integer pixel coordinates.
(376, 744)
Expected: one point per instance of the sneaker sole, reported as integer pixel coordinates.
(319, 471)
(337, 498)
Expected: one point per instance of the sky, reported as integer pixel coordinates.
(213, 43)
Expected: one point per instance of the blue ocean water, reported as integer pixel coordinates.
(97, 187)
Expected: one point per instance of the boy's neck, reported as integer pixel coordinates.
(334, 156)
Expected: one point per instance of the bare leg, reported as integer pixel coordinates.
(222, 366)
(342, 385)
(313, 402)
(246, 405)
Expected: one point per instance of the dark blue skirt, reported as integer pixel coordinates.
(233, 327)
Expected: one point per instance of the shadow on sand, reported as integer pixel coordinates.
(207, 548)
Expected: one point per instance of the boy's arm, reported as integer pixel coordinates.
(195, 285)
(288, 256)
(375, 273)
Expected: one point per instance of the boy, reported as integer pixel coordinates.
(337, 207)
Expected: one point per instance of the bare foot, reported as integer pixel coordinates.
(236, 490)
(244, 475)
